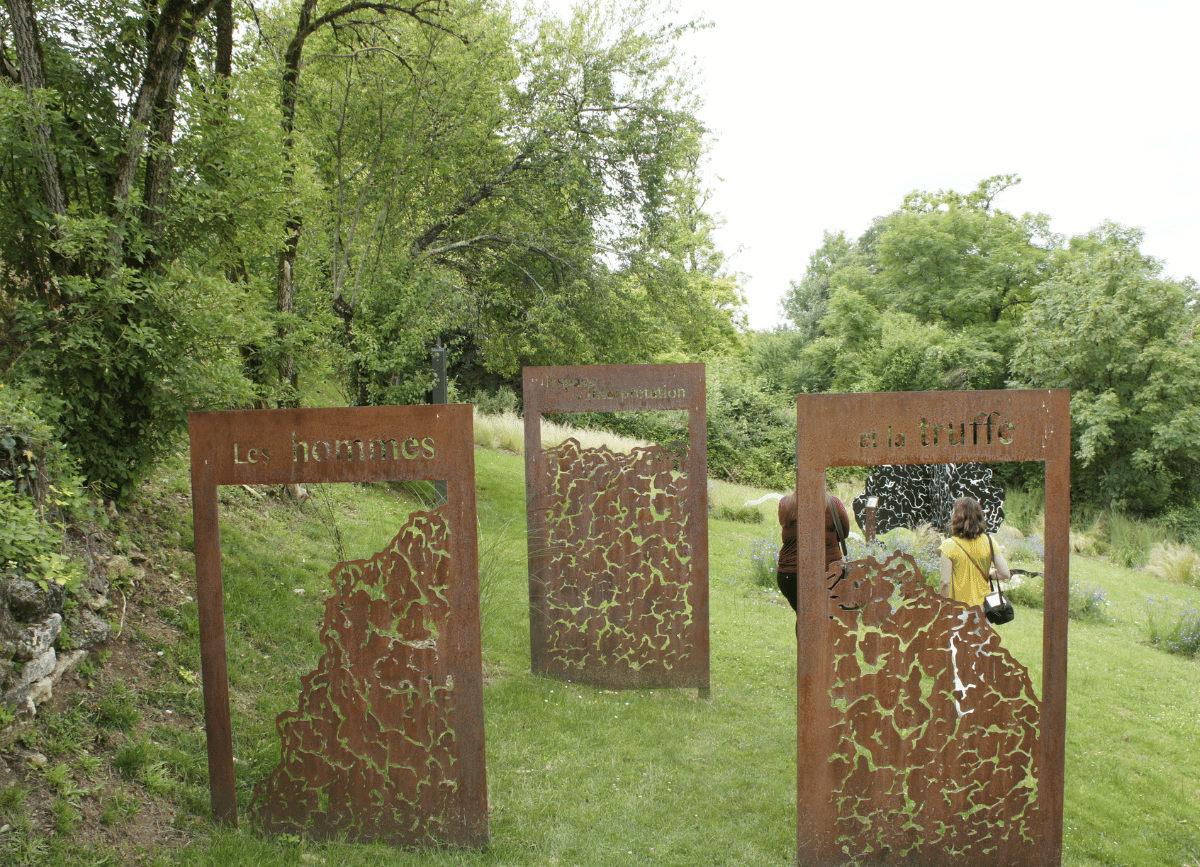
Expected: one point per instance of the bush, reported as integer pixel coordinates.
(503, 401)
(25, 538)
(1031, 549)
(1026, 590)
(38, 492)
(1171, 629)
(743, 514)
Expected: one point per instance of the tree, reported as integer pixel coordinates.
(1123, 339)
(538, 198)
(103, 305)
(929, 297)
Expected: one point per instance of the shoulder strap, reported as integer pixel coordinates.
(992, 555)
(838, 529)
(972, 560)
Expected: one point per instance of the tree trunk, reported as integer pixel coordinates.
(28, 43)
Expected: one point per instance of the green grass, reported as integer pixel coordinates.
(582, 776)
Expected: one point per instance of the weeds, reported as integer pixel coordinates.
(117, 709)
(1087, 602)
(763, 557)
(1171, 629)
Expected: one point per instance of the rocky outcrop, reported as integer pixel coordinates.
(44, 634)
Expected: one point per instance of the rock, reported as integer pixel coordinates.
(37, 638)
(17, 729)
(36, 669)
(41, 691)
(36, 760)
(85, 629)
(31, 602)
(93, 593)
(119, 567)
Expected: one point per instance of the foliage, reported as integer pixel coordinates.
(1175, 563)
(203, 208)
(742, 514)
(527, 190)
(24, 537)
(928, 298)
(763, 558)
(1172, 627)
(921, 546)
(1027, 590)
(1122, 338)
(1086, 601)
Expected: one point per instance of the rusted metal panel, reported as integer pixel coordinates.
(387, 741)
(618, 543)
(965, 763)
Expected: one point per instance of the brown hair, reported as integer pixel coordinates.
(966, 521)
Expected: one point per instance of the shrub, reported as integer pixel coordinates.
(1171, 629)
(1031, 549)
(1026, 590)
(744, 514)
(504, 400)
(24, 537)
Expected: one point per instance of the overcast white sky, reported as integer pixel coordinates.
(826, 114)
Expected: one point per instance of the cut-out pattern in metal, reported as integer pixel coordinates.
(370, 753)
(936, 724)
(618, 575)
(914, 494)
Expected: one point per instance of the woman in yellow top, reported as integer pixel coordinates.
(968, 555)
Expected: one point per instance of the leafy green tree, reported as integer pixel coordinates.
(533, 191)
(1109, 327)
(928, 298)
(109, 300)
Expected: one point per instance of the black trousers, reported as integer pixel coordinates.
(787, 586)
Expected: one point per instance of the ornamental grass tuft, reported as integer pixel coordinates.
(1175, 563)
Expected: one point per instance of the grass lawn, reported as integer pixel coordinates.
(583, 776)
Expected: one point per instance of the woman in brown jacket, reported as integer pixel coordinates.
(785, 575)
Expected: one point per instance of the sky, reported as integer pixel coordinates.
(826, 114)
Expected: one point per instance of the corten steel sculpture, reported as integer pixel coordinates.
(908, 495)
(387, 740)
(920, 738)
(618, 543)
